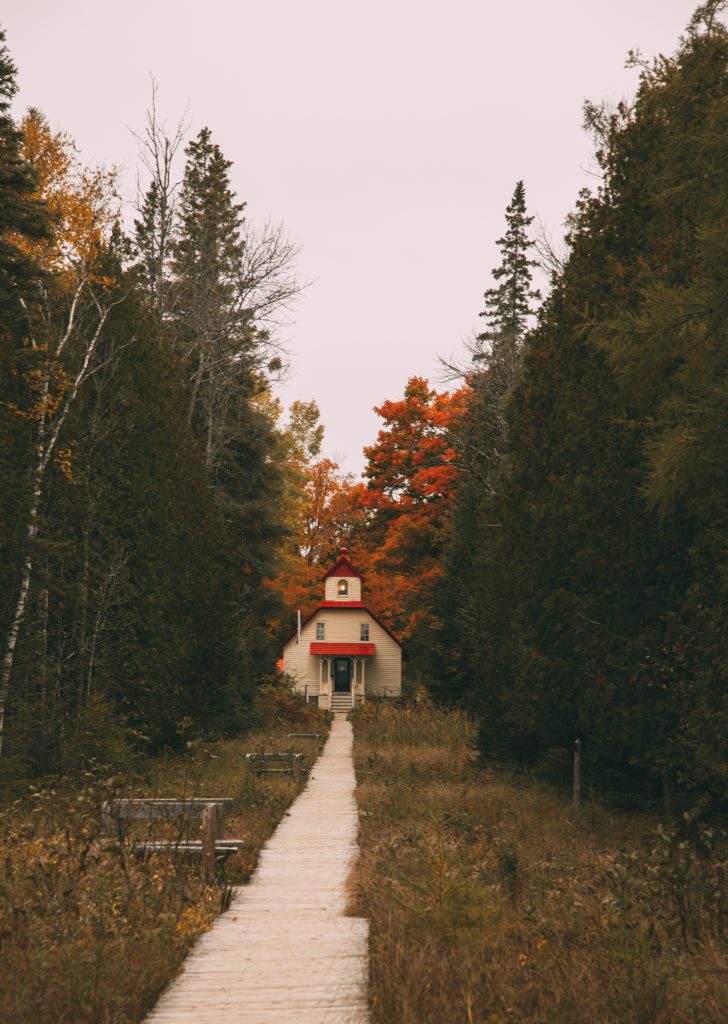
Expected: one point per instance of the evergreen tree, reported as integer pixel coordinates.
(224, 352)
(135, 597)
(213, 331)
(468, 597)
(22, 216)
(508, 304)
(498, 350)
(612, 538)
(23, 220)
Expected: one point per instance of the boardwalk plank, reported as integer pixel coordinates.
(284, 953)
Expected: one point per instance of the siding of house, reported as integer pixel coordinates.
(354, 593)
(383, 672)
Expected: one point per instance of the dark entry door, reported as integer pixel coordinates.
(342, 675)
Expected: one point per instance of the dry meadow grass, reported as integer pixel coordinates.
(90, 933)
(489, 903)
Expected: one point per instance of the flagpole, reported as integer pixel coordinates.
(298, 672)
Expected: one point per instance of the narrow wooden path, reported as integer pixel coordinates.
(284, 953)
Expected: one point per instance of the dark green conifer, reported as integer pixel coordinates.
(467, 600)
(508, 304)
(21, 215)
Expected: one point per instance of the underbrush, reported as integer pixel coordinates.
(90, 933)
(489, 902)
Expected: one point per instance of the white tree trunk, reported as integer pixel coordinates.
(49, 432)
(21, 603)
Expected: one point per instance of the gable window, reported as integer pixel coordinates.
(364, 631)
(342, 588)
(320, 630)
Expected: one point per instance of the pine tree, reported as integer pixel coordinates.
(467, 599)
(24, 221)
(225, 354)
(22, 216)
(213, 332)
(611, 557)
(508, 305)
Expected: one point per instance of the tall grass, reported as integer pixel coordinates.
(90, 933)
(489, 902)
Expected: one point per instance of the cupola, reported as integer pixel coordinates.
(343, 580)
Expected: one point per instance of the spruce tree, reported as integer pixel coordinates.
(508, 304)
(21, 215)
(612, 527)
(223, 351)
(23, 221)
(466, 601)
(212, 330)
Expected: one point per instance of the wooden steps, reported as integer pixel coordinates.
(341, 702)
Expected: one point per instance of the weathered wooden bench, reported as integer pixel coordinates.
(304, 735)
(212, 810)
(272, 764)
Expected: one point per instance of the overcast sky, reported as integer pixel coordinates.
(386, 135)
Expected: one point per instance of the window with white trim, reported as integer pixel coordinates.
(320, 630)
(364, 631)
(342, 588)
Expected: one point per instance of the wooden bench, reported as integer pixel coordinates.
(265, 764)
(304, 735)
(212, 810)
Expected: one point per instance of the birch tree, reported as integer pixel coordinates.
(66, 315)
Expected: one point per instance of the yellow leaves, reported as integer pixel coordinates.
(64, 459)
(192, 921)
(83, 203)
(47, 383)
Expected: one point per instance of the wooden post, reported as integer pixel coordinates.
(220, 826)
(577, 775)
(210, 828)
(114, 823)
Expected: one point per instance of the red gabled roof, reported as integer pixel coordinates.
(324, 648)
(343, 567)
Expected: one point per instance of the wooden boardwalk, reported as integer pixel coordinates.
(284, 953)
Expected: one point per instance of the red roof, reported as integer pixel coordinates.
(342, 604)
(321, 648)
(343, 567)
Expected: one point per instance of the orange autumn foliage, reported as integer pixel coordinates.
(83, 203)
(395, 523)
(407, 503)
(84, 207)
(326, 518)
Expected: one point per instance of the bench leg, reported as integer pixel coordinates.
(210, 829)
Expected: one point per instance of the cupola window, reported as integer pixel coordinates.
(342, 588)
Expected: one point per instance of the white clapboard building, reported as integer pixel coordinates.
(345, 654)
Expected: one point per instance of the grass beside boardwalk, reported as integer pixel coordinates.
(89, 932)
(489, 903)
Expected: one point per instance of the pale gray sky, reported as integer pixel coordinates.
(387, 135)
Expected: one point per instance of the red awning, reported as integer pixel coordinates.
(323, 648)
